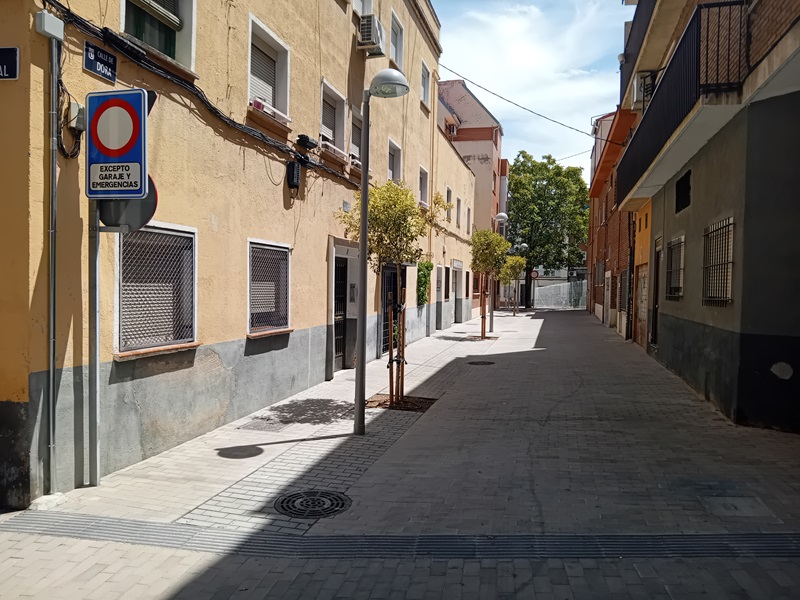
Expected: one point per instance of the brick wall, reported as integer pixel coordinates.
(769, 21)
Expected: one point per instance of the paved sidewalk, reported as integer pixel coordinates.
(553, 471)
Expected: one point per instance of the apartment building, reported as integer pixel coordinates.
(242, 290)
(710, 173)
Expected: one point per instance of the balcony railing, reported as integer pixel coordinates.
(710, 58)
(633, 45)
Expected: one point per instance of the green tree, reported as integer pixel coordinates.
(394, 225)
(509, 274)
(548, 210)
(489, 250)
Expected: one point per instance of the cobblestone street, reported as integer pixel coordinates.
(558, 462)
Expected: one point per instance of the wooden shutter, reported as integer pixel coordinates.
(328, 121)
(262, 75)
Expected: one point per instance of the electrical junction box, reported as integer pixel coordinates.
(293, 175)
(49, 25)
(77, 116)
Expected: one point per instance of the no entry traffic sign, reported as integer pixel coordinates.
(116, 156)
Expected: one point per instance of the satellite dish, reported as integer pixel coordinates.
(133, 213)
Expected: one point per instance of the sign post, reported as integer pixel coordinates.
(116, 169)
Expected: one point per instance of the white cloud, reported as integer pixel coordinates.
(557, 58)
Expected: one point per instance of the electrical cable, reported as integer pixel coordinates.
(525, 108)
(139, 56)
(63, 114)
(574, 155)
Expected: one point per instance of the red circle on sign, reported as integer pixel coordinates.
(118, 103)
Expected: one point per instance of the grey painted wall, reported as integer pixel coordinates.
(416, 323)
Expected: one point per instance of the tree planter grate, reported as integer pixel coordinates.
(312, 504)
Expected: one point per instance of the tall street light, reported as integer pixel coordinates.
(388, 83)
(501, 219)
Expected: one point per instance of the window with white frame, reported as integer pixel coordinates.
(423, 187)
(269, 70)
(362, 7)
(166, 25)
(396, 42)
(395, 162)
(157, 280)
(425, 89)
(449, 205)
(469, 220)
(458, 213)
(355, 137)
(268, 287)
(332, 118)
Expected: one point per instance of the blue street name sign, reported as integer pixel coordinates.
(99, 62)
(9, 63)
(116, 150)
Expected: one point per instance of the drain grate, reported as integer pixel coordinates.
(312, 504)
(481, 363)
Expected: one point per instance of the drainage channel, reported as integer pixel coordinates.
(221, 541)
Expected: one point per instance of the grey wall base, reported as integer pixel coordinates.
(149, 405)
(749, 377)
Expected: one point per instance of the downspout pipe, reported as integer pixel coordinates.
(51, 363)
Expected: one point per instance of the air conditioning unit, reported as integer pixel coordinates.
(329, 147)
(261, 105)
(372, 36)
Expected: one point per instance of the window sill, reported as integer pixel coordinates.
(162, 59)
(425, 108)
(145, 352)
(394, 65)
(269, 123)
(272, 332)
(334, 157)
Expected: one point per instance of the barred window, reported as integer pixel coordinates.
(623, 290)
(675, 268)
(599, 272)
(269, 287)
(718, 263)
(156, 290)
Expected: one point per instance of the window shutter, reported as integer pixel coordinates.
(391, 164)
(393, 42)
(355, 140)
(328, 121)
(168, 5)
(358, 7)
(262, 75)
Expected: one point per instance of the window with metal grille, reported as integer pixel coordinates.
(449, 205)
(683, 192)
(263, 65)
(156, 289)
(355, 138)
(469, 220)
(269, 287)
(623, 291)
(458, 213)
(155, 22)
(599, 272)
(476, 284)
(718, 263)
(466, 284)
(675, 268)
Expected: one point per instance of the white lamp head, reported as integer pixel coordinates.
(501, 217)
(389, 83)
(523, 247)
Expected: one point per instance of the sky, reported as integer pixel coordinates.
(556, 57)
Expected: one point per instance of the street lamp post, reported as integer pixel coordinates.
(501, 219)
(388, 83)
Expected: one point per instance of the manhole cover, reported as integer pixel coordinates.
(312, 504)
(481, 363)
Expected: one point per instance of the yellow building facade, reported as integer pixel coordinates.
(240, 291)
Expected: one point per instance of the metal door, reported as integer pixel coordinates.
(339, 312)
(656, 293)
(439, 277)
(640, 324)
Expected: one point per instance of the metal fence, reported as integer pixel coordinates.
(561, 295)
(156, 292)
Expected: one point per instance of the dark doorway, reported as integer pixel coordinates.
(656, 294)
(339, 312)
(389, 286)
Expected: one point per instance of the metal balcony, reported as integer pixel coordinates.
(633, 45)
(710, 59)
